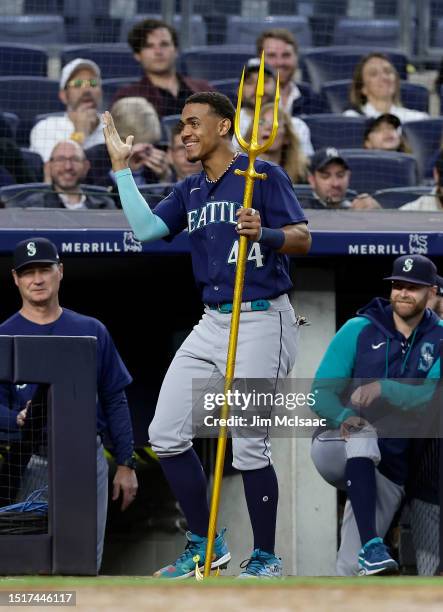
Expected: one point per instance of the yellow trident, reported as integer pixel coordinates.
(253, 149)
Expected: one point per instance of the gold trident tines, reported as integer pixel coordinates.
(253, 149)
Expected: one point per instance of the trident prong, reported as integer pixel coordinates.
(252, 149)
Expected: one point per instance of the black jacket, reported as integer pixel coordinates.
(51, 199)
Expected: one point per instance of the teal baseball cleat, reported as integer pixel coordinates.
(262, 565)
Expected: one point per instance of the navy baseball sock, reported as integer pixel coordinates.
(361, 490)
(261, 492)
(187, 480)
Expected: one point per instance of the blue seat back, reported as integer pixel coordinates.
(394, 198)
(334, 130)
(32, 29)
(375, 170)
(215, 62)
(371, 32)
(23, 60)
(247, 29)
(424, 138)
(114, 60)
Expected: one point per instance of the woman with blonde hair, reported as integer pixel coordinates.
(285, 150)
(375, 90)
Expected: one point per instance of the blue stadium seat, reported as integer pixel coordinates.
(23, 60)
(412, 95)
(325, 64)
(394, 198)
(246, 29)
(115, 60)
(374, 170)
(198, 27)
(371, 32)
(27, 97)
(32, 29)
(34, 162)
(8, 125)
(333, 130)
(111, 86)
(15, 196)
(167, 123)
(215, 62)
(228, 87)
(90, 22)
(424, 138)
(437, 38)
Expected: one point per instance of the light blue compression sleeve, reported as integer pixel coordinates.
(145, 224)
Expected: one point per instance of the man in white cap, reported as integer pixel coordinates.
(80, 90)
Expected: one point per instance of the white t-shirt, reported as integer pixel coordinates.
(300, 128)
(428, 202)
(48, 132)
(404, 114)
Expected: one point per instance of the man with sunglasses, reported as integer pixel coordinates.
(395, 344)
(81, 92)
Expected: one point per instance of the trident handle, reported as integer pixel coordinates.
(253, 149)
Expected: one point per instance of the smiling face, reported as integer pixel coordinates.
(39, 284)
(67, 166)
(281, 56)
(379, 80)
(202, 131)
(409, 299)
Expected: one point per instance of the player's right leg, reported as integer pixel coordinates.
(171, 434)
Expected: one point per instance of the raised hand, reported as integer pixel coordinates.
(119, 151)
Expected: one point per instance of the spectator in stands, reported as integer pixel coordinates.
(155, 46)
(247, 112)
(81, 92)
(434, 200)
(375, 90)
(387, 340)
(181, 166)
(281, 53)
(435, 302)
(67, 168)
(285, 150)
(149, 163)
(329, 177)
(385, 133)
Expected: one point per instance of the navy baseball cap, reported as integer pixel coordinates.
(439, 286)
(322, 158)
(374, 122)
(35, 250)
(415, 269)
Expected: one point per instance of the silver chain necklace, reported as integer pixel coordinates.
(212, 181)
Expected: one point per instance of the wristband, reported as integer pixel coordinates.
(78, 137)
(272, 238)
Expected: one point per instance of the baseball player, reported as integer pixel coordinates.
(388, 340)
(37, 274)
(209, 205)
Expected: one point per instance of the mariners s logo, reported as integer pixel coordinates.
(426, 356)
(30, 249)
(407, 266)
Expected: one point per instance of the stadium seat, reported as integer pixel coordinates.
(374, 170)
(424, 138)
(248, 29)
(394, 198)
(115, 60)
(228, 87)
(111, 86)
(215, 62)
(27, 97)
(370, 32)
(198, 27)
(168, 122)
(412, 95)
(90, 22)
(334, 130)
(32, 29)
(437, 38)
(23, 60)
(14, 196)
(34, 162)
(8, 125)
(325, 64)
